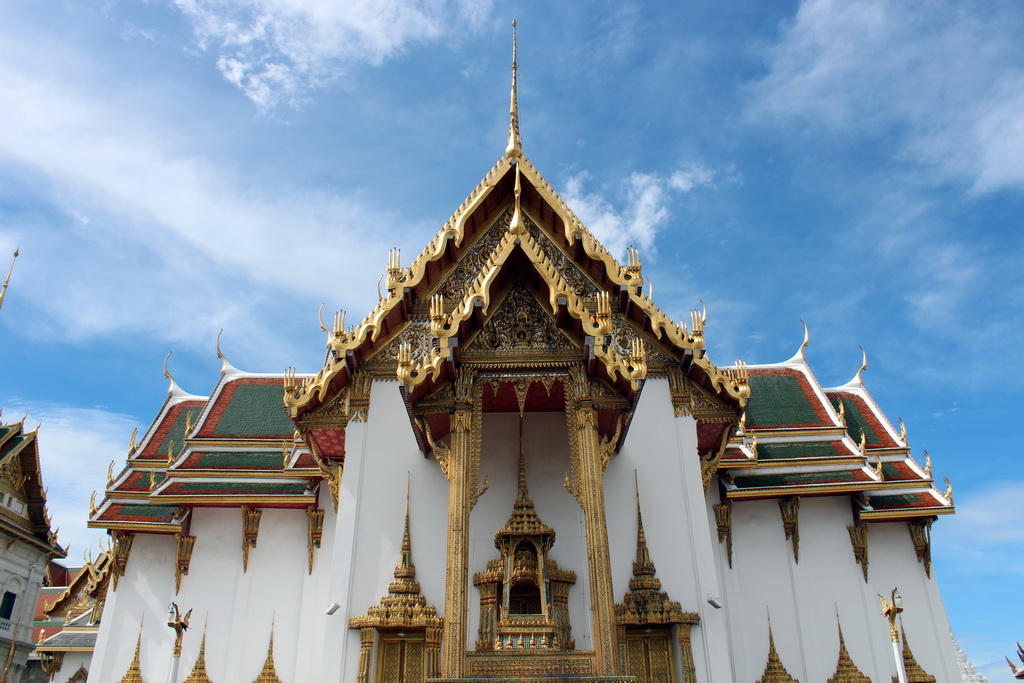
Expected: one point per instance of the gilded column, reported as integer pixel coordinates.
(588, 462)
(365, 651)
(462, 468)
(686, 650)
(433, 638)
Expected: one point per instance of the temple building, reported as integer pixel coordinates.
(27, 544)
(518, 467)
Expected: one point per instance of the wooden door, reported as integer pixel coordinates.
(649, 656)
(402, 660)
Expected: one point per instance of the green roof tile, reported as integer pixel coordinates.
(148, 510)
(855, 421)
(255, 410)
(890, 471)
(795, 449)
(243, 487)
(239, 459)
(899, 500)
(177, 431)
(789, 479)
(778, 400)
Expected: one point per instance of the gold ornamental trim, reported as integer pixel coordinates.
(341, 341)
(915, 674)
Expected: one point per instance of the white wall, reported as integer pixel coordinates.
(547, 463)
(663, 450)
(804, 598)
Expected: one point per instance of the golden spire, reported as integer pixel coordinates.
(3, 290)
(199, 674)
(774, 670)
(524, 520)
(515, 145)
(846, 670)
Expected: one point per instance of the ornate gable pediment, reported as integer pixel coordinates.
(520, 329)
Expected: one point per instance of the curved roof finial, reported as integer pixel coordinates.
(863, 365)
(167, 375)
(225, 366)
(515, 144)
(807, 340)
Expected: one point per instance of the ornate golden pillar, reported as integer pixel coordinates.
(433, 642)
(366, 635)
(685, 649)
(460, 461)
(589, 457)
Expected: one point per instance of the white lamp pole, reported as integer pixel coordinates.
(891, 609)
(180, 625)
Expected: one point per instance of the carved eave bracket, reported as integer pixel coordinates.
(315, 532)
(183, 546)
(250, 531)
(122, 547)
(859, 541)
(723, 520)
(921, 536)
(790, 509)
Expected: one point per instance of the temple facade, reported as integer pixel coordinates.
(518, 467)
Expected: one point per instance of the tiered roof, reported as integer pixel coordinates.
(70, 620)
(798, 438)
(23, 513)
(234, 447)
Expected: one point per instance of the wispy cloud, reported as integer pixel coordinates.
(75, 445)
(276, 50)
(945, 78)
(646, 201)
(152, 236)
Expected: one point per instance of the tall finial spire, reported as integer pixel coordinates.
(515, 145)
(523, 494)
(10, 270)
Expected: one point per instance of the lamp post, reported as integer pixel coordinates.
(891, 609)
(180, 625)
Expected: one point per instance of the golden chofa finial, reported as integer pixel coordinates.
(514, 150)
(807, 340)
(7, 281)
(516, 225)
(224, 364)
(863, 365)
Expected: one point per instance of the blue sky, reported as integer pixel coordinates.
(169, 169)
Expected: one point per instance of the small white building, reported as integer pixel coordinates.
(518, 467)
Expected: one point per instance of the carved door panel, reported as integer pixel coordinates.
(402, 660)
(649, 656)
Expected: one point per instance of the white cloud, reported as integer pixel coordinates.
(75, 446)
(276, 50)
(157, 238)
(985, 533)
(648, 197)
(944, 77)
